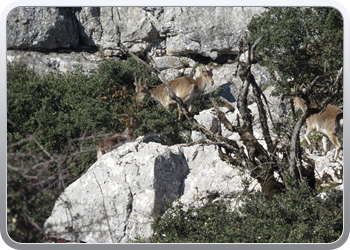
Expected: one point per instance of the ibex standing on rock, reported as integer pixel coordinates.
(107, 144)
(329, 123)
(185, 88)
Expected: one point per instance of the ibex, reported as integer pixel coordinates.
(329, 123)
(299, 103)
(185, 88)
(107, 144)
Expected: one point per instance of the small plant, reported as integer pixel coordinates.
(184, 63)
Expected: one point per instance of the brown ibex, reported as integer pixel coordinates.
(298, 102)
(330, 124)
(109, 143)
(186, 88)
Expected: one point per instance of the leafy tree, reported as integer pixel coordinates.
(297, 43)
(304, 46)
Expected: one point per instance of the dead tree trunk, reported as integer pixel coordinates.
(262, 161)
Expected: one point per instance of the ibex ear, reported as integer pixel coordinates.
(146, 82)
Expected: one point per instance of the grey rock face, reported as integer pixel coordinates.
(328, 173)
(136, 179)
(43, 28)
(61, 62)
(205, 31)
(211, 177)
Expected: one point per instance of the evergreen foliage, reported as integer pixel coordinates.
(297, 43)
(295, 216)
(55, 110)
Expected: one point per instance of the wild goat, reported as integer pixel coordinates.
(299, 103)
(185, 88)
(329, 123)
(109, 143)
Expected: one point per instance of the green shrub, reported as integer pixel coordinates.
(157, 119)
(295, 216)
(203, 102)
(55, 109)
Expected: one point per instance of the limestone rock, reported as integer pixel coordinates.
(55, 62)
(328, 173)
(206, 31)
(44, 28)
(137, 179)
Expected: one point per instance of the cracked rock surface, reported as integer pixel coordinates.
(136, 181)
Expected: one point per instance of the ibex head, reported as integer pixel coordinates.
(204, 76)
(142, 90)
(299, 103)
(131, 122)
(108, 143)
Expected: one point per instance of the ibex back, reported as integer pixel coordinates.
(109, 143)
(185, 88)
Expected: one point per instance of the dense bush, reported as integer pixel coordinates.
(295, 216)
(297, 43)
(46, 114)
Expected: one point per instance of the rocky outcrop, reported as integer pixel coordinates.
(328, 173)
(42, 28)
(205, 31)
(137, 180)
(56, 61)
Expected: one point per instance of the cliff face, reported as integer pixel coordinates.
(206, 31)
(61, 39)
